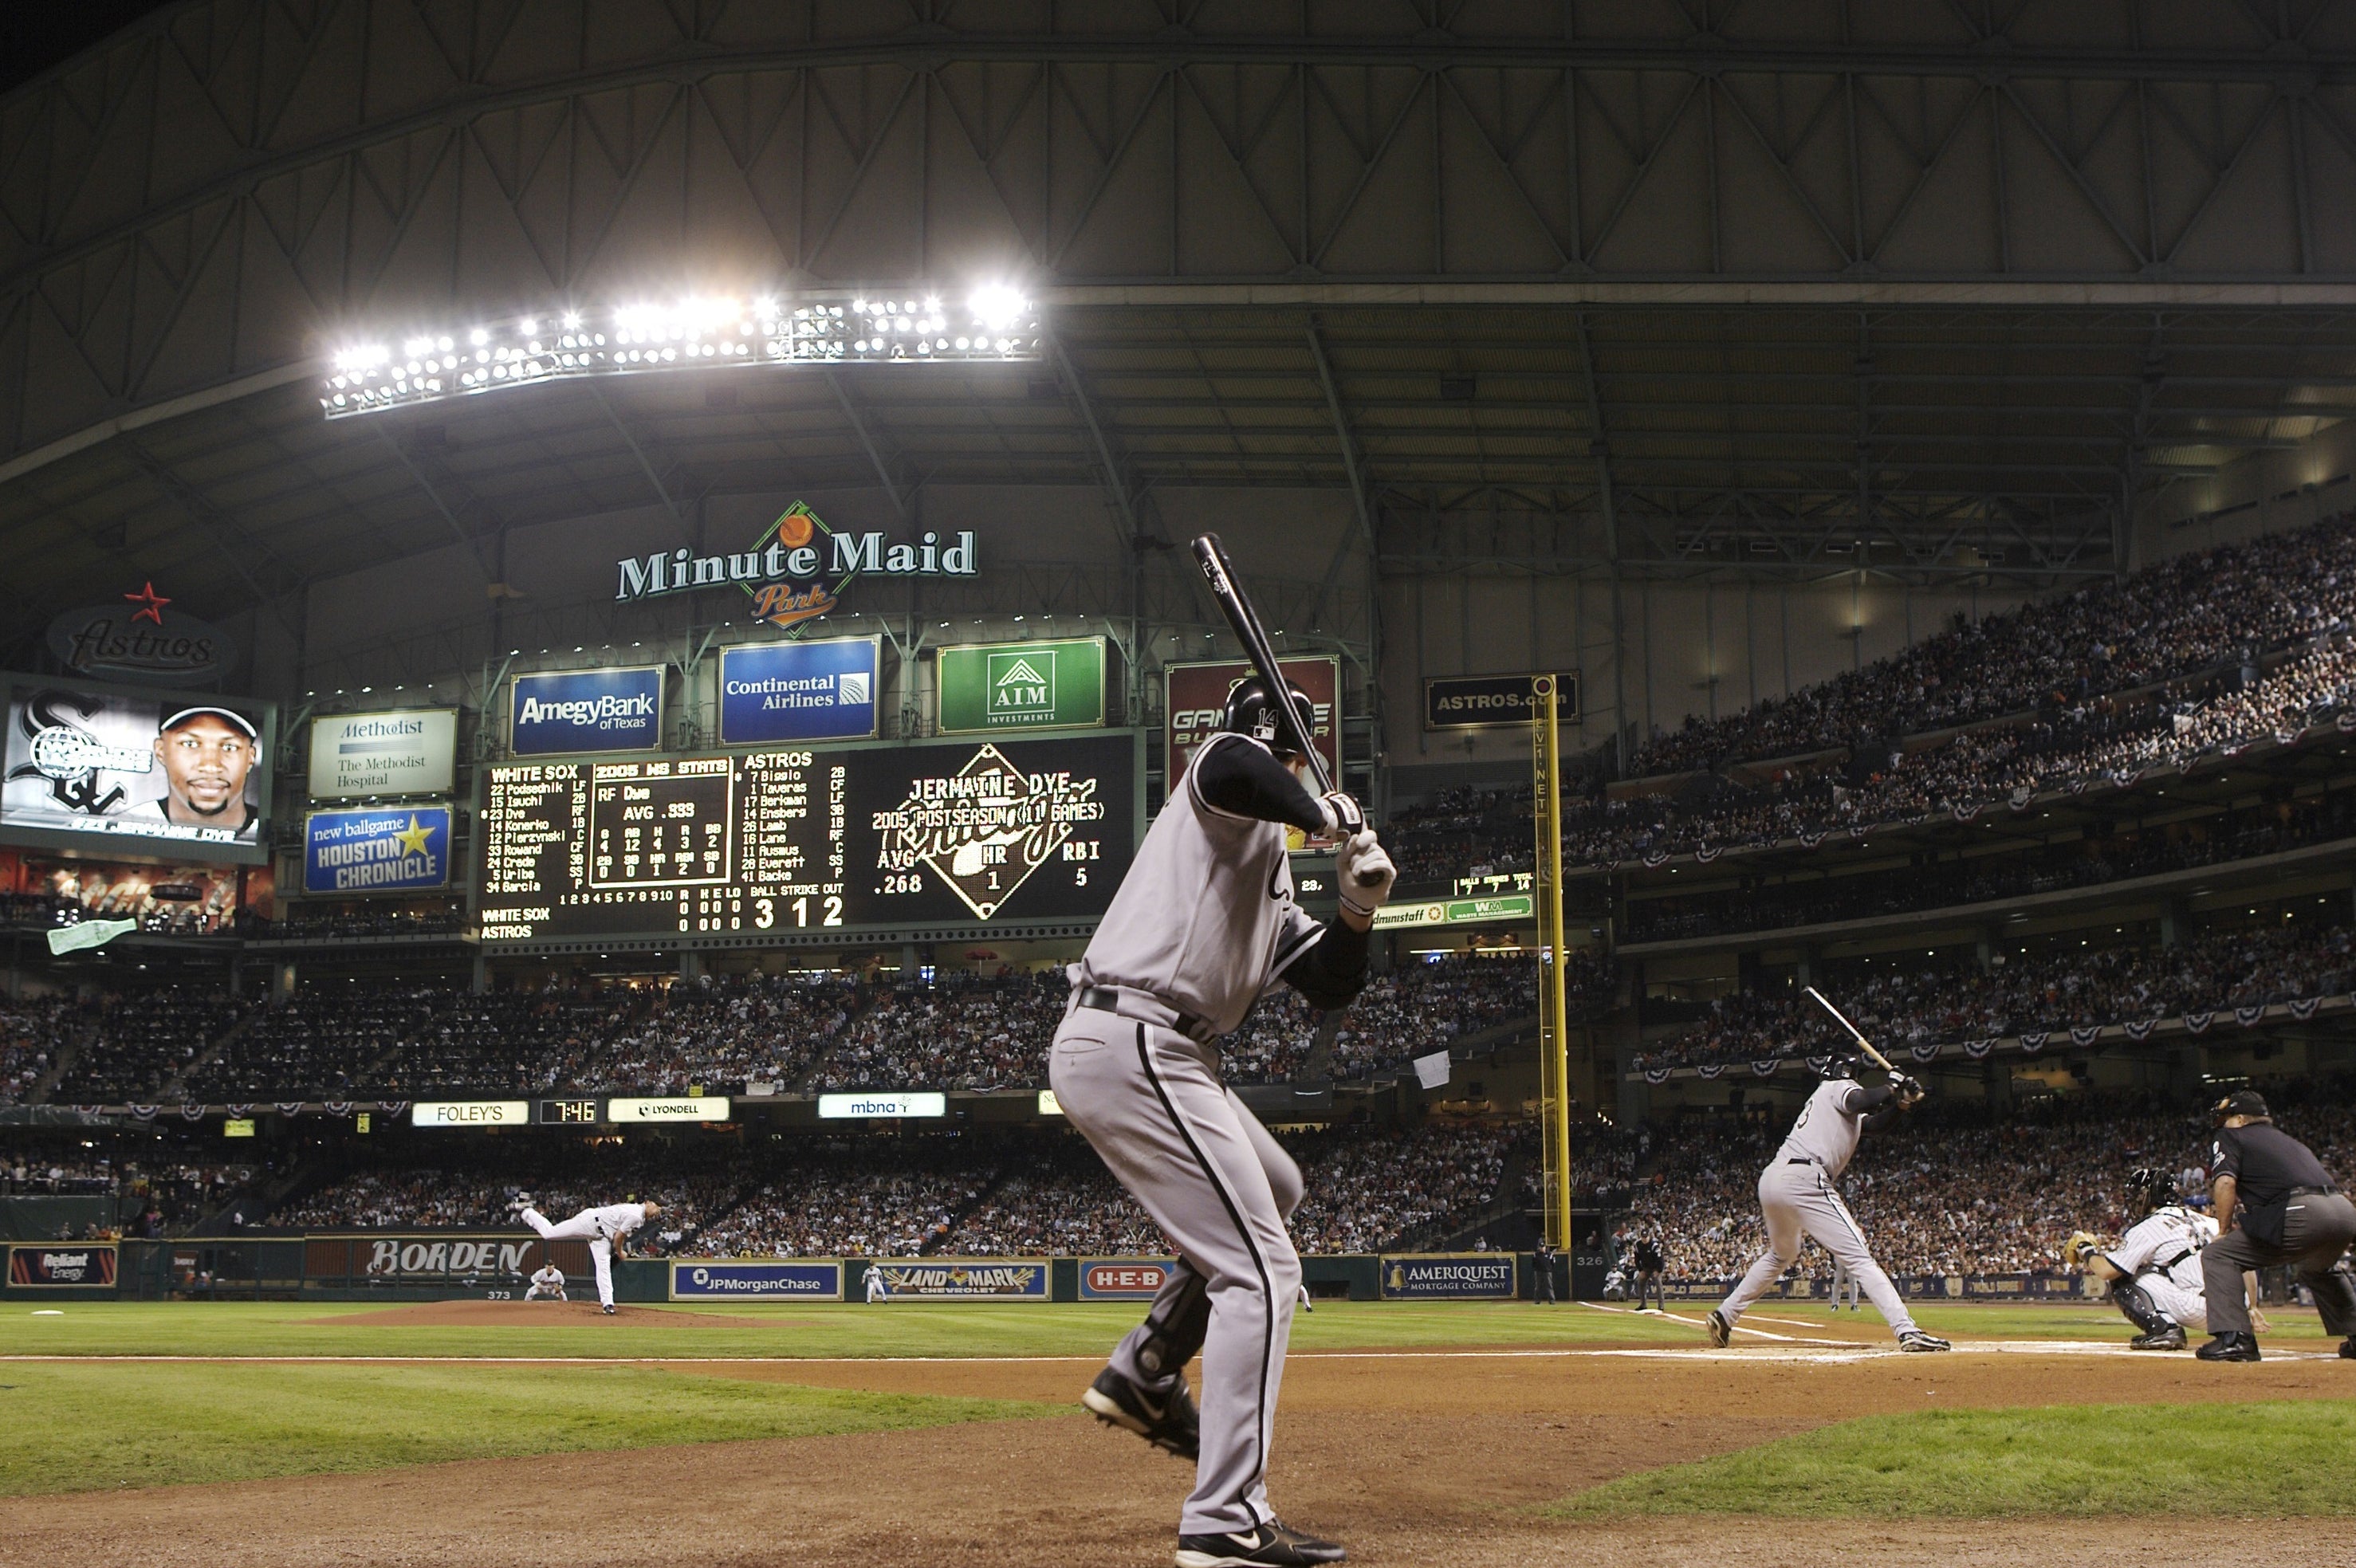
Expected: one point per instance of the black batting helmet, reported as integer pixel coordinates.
(2149, 1188)
(1250, 711)
(1843, 1064)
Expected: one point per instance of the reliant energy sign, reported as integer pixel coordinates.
(987, 688)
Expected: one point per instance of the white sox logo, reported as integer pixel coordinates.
(986, 829)
(70, 757)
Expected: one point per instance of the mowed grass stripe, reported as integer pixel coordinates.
(2262, 1459)
(899, 1330)
(92, 1427)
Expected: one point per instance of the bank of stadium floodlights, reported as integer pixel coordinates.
(995, 323)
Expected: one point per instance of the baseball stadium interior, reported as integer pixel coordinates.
(599, 599)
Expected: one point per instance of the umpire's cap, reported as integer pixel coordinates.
(2243, 1102)
(1250, 711)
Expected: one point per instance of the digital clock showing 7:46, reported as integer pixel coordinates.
(981, 833)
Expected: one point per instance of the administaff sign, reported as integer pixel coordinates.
(1492, 701)
(1193, 696)
(376, 851)
(988, 688)
(798, 691)
(1456, 912)
(565, 711)
(406, 752)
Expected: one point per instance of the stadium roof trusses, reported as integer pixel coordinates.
(1674, 286)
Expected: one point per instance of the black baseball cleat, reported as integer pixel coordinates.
(1269, 1546)
(1720, 1331)
(2230, 1346)
(2168, 1338)
(607, 1310)
(2348, 1348)
(1168, 1421)
(1915, 1342)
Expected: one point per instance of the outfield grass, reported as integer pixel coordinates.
(100, 1427)
(904, 1328)
(2269, 1458)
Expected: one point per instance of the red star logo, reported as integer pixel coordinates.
(153, 601)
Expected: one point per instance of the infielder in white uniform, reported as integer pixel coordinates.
(1204, 924)
(2154, 1270)
(547, 1284)
(602, 1229)
(876, 1289)
(1799, 1195)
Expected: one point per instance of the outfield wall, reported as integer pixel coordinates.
(406, 1266)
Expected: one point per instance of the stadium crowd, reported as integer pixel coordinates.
(1954, 999)
(2238, 835)
(2170, 620)
(949, 1194)
(34, 1033)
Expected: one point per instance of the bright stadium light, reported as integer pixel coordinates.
(692, 332)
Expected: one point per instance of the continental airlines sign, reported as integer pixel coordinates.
(797, 568)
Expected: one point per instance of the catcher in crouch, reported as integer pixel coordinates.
(2154, 1270)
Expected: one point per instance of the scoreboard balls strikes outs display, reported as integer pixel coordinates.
(809, 838)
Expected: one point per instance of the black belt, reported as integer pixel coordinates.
(1799, 1162)
(1145, 1007)
(2311, 1192)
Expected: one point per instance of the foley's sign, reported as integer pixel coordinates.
(400, 851)
(406, 752)
(470, 1112)
(989, 687)
(797, 567)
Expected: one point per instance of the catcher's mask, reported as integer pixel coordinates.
(2149, 1188)
(1251, 711)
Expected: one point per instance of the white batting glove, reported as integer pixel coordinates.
(1366, 872)
(1343, 815)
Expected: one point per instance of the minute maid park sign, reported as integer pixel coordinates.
(797, 568)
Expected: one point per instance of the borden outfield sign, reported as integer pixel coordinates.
(993, 688)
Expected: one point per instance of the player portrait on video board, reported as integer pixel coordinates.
(132, 766)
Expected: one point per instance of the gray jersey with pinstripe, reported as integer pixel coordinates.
(1828, 1128)
(1206, 917)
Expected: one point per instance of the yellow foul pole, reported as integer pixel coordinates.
(1554, 1057)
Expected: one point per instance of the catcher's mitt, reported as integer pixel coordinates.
(2080, 1242)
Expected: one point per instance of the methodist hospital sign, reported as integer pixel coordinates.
(797, 568)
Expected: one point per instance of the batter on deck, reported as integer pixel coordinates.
(1205, 922)
(1799, 1194)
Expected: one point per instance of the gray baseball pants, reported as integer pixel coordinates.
(1796, 1199)
(1150, 1102)
(2315, 1229)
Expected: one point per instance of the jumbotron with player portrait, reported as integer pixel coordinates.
(765, 844)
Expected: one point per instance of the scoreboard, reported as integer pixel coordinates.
(809, 839)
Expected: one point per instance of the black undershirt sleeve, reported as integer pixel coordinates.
(1246, 780)
(1332, 970)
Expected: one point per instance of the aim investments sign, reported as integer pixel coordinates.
(797, 568)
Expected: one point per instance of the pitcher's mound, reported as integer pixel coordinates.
(536, 1314)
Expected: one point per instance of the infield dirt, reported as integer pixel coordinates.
(1410, 1457)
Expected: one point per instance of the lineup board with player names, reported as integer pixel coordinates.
(808, 838)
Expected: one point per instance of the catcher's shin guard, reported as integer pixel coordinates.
(2136, 1305)
(1175, 1332)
